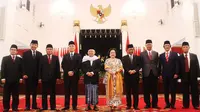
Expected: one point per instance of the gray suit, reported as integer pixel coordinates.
(150, 73)
(148, 65)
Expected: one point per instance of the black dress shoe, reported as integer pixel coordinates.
(66, 108)
(167, 106)
(128, 108)
(88, 108)
(15, 110)
(185, 107)
(196, 108)
(136, 108)
(156, 107)
(43, 109)
(75, 108)
(147, 107)
(53, 108)
(36, 108)
(27, 109)
(6, 110)
(173, 107)
(96, 108)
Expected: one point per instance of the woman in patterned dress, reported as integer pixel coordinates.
(113, 80)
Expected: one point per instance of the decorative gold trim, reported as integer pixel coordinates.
(123, 22)
(77, 23)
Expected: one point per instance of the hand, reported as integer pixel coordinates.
(133, 71)
(25, 77)
(20, 80)
(70, 73)
(88, 74)
(3, 81)
(57, 80)
(40, 80)
(160, 77)
(91, 74)
(175, 76)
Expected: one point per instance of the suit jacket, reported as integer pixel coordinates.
(168, 69)
(30, 64)
(69, 64)
(49, 72)
(148, 65)
(127, 65)
(11, 71)
(194, 68)
(95, 68)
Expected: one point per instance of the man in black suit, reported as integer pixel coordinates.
(71, 64)
(49, 74)
(31, 60)
(91, 67)
(150, 70)
(169, 67)
(11, 71)
(189, 71)
(131, 64)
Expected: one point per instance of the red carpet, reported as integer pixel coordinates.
(103, 107)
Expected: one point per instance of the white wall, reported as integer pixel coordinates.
(178, 23)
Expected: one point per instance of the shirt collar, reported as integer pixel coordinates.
(167, 51)
(188, 54)
(71, 53)
(32, 51)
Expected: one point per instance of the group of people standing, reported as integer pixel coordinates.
(34, 67)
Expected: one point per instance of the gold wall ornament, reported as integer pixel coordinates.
(100, 13)
(77, 23)
(123, 22)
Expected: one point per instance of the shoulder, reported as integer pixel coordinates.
(193, 55)
(124, 56)
(39, 53)
(155, 52)
(6, 57)
(26, 52)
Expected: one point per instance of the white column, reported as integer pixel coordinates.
(124, 30)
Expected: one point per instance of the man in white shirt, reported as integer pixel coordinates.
(189, 71)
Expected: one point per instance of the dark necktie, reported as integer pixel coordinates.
(49, 59)
(150, 56)
(71, 55)
(34, 54)
(13, 58)
(186, 64)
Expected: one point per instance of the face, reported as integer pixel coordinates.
(130, 50)
(49, 51)
(167, 47)
(71, 48)
(13, 51)
(149, 46)
(91, 52)
(112, 54)
(34, 46)
(185, 48)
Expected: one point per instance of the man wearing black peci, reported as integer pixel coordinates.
(71, 64)
(150, 73)
(31, 59)
(169, 67)
(131, 64)
(11, 71)
(49, 74)
(189, 71)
